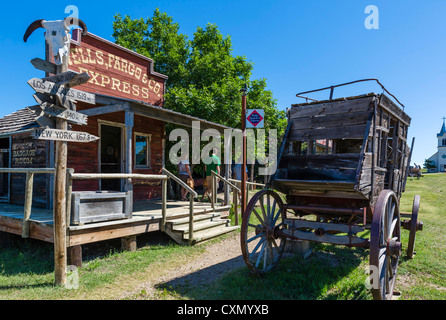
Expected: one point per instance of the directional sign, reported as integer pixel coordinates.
(44, 97)
(71, 116)
(69, 78)
(44, 65)
(254, 118)
(50, 87)
(63, 135)
(42, 119)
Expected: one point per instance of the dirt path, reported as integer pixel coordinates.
(219, 258)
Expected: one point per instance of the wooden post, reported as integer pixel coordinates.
(191, 219)
(243, 185)
(129, 243)
(28, 203)
(69, 192)
(235, 200)
(75, 256)
(60, 226)
(164, 204)
(129, 122)
(212, 191)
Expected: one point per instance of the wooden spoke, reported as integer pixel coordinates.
(261, 248)
(385, 245)
(413, 227)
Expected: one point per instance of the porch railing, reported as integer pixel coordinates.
(235, 191)
(28, 192)
(163, 177)
(192, 195)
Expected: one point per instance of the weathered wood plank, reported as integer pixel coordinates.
(344, 228)
(83, 236)
(325, 238)
(393, 109)
(347, 132)
(49, 87)
(62, 113)
(335, 107)
(44, 65)
(327, 121)
(63, 135)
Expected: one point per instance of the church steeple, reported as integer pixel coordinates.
(443, 129)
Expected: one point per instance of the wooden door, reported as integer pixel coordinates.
(111, 156)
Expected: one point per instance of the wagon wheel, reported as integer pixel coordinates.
(385, 245)
(261, 246)
(414, 226)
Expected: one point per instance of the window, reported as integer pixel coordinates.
(142, 150)
(443, 143)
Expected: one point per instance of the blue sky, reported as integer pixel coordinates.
(296, 45)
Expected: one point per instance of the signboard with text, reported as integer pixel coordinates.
(115, 70)
(254, 118)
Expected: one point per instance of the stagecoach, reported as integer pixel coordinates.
(342, 167)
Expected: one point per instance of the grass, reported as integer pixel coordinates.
(334, 272)
(331, 272)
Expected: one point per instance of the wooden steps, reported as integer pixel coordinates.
(206, 226)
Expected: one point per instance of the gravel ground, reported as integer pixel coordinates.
(219, 258)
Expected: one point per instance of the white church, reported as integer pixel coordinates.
(439, 158)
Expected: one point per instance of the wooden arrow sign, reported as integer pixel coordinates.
(50, 87)
(69, 78)
(63, 135)
(44, 65)
(70, 116)
(44, 97)
(42, 119)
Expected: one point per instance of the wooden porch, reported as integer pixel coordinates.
(146, 217)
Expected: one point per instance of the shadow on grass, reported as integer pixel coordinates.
(25, 256)
(326, 274)
(30, 257)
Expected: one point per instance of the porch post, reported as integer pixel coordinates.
(129, 121)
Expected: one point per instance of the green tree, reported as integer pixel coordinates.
(205, 77)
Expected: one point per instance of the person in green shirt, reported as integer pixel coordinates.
(213, 165)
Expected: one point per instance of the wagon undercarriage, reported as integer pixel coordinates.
(342, 168)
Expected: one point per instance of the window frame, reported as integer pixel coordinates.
(148, 153)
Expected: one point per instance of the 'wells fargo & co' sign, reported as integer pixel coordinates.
(114, 70)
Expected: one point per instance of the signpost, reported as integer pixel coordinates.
(53, 115)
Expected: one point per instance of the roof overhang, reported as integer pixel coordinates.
(113, 104)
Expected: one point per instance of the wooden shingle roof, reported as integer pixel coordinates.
(17, 121)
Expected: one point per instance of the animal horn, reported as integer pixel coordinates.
(33, 26)
(69, 21)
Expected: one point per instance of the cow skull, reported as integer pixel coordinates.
(57, 36)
